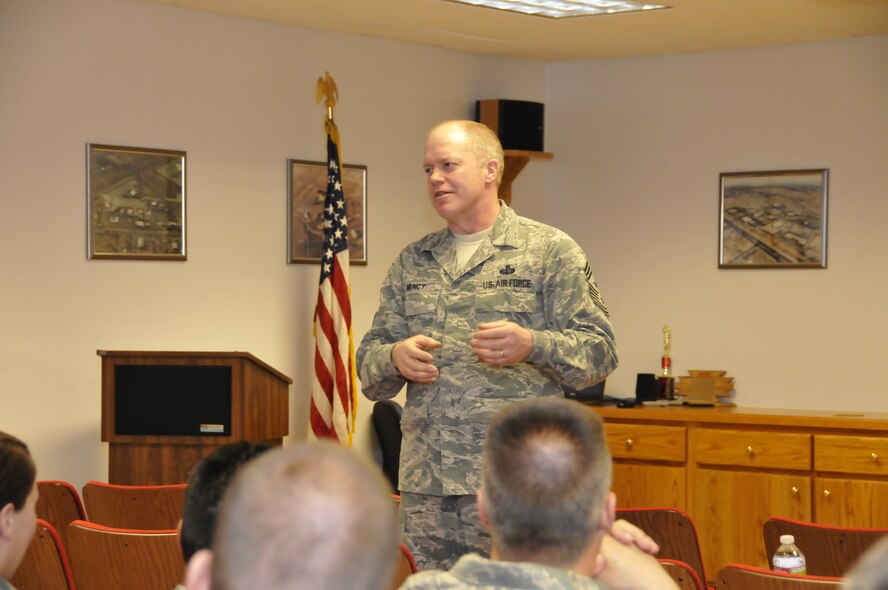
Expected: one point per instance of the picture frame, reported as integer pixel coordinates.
(135, 201)
(773, 219)
(307, 190)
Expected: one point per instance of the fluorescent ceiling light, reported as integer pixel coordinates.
(563, 8)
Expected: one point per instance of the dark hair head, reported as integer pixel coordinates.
(206, 486)
(547, 473)
(17, 471)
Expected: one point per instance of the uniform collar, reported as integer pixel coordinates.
(503, 233)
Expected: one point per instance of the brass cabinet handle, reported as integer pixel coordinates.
(750, 451)
(629, 442)
(874, 457)
(826, 493)
(795, 491)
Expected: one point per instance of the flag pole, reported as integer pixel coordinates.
(333, 392)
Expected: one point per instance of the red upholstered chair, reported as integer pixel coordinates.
(45, 564)
(829, 550)
(684, 575)
(106, 558)
(674, 532)
(134, 507)
(745, 577)
(59, 504)
(406, 567)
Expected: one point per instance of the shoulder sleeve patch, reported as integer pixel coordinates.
(593, 290)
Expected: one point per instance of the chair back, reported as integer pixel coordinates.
(828, 550)
(674, 532)
(58, 504)
(744, 577)
(105, 558)
(387, 425)
(45, 564)
(406, 567)
(682, 574)
(157, 507)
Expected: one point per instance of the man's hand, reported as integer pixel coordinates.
(413, 362)
(624, 567)
(628, 534)
(502, 343)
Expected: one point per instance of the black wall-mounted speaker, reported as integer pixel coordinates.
(517, 123)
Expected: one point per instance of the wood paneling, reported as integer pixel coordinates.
(649, 486)
(851, 502)
(851, 454)
(753, 448)
(732, 506)
(644, 441)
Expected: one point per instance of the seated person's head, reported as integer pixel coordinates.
(312, 515)
(871, 571)
(206, 485)
(546, 482)
(18, 501)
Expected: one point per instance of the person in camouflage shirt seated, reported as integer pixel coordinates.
(546, 499)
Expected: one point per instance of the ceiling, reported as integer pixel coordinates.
(688, 26)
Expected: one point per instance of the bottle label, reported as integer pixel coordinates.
(790, 564)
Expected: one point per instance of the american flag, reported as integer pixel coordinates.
(333, 397)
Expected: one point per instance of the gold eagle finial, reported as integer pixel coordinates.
(327, 90)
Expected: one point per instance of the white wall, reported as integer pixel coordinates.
(639, 145)
(239, 97)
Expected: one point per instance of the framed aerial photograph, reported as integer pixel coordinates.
(307, 189)
(135, 201)
(773, 219)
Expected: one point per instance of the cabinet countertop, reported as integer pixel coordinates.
(819, 419)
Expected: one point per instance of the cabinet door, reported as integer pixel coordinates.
(851, 503)
(649, 486)
(731, 507)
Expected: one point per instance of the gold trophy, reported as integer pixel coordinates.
(666, 378)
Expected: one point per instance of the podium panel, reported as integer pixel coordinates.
(164, 411)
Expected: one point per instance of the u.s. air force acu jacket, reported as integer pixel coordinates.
(528, 273)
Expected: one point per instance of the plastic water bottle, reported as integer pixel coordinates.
(788, 558)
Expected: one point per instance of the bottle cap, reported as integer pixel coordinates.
(787, 539)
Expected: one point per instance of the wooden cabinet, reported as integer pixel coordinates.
(649, 486)
(733, 468)
(851, 502)
(851, 486)
(649, 465)
(731, 507)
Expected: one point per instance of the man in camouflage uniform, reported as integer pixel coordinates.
(546, 499)
(474, 317)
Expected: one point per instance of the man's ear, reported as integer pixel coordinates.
(609, 512)
(7, 516)
(198, 571)
(482, 513)
(492, 170)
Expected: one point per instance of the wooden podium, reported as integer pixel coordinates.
(164, 411)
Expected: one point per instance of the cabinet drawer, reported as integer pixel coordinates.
(867, 455)
(753, 448)
(647, 441)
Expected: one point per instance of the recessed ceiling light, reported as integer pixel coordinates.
(563, 8)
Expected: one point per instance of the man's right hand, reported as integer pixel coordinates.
(413, 362)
